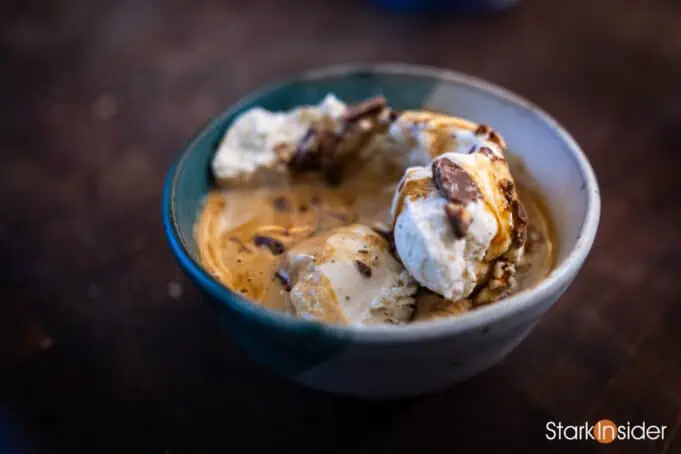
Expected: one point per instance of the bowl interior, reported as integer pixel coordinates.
(193, 176)
(550, 156)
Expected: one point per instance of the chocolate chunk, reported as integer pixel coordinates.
(489, 153)
(275, 246)
(370, 106)
(281, 204)
(453, 182)
(363, 268)
(283, 278)
(495, 138)
(519, 212)
(303, 208)
(459, 218)
(482, 130)
(519, 223)
(327, 141)
(317, 151)
(307, 156)
(333, 174)
(506, 188)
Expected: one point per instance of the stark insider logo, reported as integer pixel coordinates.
(604, 431)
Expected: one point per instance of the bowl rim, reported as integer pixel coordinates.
(557, 281)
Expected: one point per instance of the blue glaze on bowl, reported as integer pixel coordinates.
(297, 345)
(389, 361)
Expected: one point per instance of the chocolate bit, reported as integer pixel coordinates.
(489, 153)
(367, 107)
(333, 174)
(519, 223)
(519, 236)
(519, 212)
(459, 218)
(317, 151)
(327, 142)
(303, 208)
(275, 246)
(306, 156)
(281, 204)
(481, 130)
(506, 187)
(453, 182)
(495, 138)
(283, 278)
(363, 268)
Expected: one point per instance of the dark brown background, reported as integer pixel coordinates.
(104, 343)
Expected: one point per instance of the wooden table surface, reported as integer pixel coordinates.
(105, 345)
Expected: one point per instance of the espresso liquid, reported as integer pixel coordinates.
(242, 233)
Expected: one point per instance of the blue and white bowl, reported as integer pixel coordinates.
(396, 361)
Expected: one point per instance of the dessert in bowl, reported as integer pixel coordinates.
(382, 230)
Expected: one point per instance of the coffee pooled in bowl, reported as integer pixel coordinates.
(360, 215)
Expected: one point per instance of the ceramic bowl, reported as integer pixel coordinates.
(396, 361)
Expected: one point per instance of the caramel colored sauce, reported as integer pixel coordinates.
(233, 222)
(414, 190)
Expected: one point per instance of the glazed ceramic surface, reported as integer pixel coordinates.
(396, 361)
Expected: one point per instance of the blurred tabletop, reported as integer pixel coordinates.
(106, 346)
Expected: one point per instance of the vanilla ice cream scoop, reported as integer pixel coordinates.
(447, 260)
(349, 277)
(416, 138)
(259, 143)
(455, 217)
(426, 135)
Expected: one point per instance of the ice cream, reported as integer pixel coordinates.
(349, 276)
(259, 144)
(416, 137)
(458, 228)
(458, 223)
